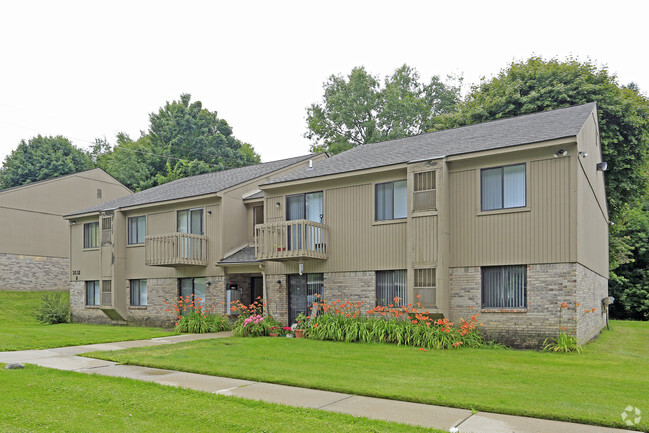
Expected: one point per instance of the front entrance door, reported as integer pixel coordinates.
(302, 291)
(256, 289)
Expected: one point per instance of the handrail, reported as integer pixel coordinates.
(170, 249)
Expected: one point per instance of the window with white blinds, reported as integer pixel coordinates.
(503, 187)
(391, 285)
(504, 287)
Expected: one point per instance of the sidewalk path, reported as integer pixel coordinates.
(443, 418)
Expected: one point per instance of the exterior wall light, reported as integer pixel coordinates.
(583, 154)
(561, 152)
(278, 204)
(602, 166)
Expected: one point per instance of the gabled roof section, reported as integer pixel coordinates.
(243, 256)
(65, 176)
(194, 186)
(513, 131)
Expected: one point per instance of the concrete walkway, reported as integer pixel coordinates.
(443, 418)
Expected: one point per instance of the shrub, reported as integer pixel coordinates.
(253, 325)
(54, 308)
(192, 317)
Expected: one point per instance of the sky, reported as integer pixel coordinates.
(88, 69)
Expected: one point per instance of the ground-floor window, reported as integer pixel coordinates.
(92, 292)
(193, 286)
(138, 292)
(391, 285)
(504, 286)
(302, 291)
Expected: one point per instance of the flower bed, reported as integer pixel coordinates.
(401, 325)
(194, 318)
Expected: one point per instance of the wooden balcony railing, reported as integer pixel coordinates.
(287, 240)
(175, 249)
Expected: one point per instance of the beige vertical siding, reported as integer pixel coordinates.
(541, 233)
(424, 237)
(272, 212)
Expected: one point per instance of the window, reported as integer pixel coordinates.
(424, 291)
(138, 292)
(503, 187)
(305, 206)
(190, 221)
(423, 195)
(302, 291)
(193, 286)
(92, 292)
(91, 235)
(391, 285)
(136, 230)
(504, 287)
(390, 200)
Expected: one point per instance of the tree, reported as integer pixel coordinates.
(42, 158)
(184, 139)
(357, 109)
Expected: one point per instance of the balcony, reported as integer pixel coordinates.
(175, 249)
(288, 240)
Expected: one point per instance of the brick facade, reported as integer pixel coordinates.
(548, 286)
(33, 273)
(351, 286)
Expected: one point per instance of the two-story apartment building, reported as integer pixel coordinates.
(34, 238)
(506, 218)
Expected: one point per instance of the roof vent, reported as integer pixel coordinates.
(310, 164)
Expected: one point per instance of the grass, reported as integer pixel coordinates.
(38, 399)
(593, 387)
(19, 330)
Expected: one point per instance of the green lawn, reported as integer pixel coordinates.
(592, 387)
(38, 399)
(19, 330)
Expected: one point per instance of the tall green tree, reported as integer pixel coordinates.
(359, 109)
(42, 158)
(184, 139)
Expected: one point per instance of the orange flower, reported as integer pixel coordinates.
(563, 327)
(564, 305)
(578, 304)
(594, 309)
(414, 322)
(315, 325)
(423, 350)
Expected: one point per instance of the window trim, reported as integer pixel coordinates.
(406, 290)
(91, 247)
(374, 202)
(416, 301)
(304, 194)
(503, 209)
(189, 217)
(128, 235)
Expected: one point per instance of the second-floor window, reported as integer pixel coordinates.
(305, 207)
(390, 200)
(136, 230)
(503, 187)
(190, 221)
(91, 235)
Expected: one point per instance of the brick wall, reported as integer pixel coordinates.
(351, 286)
(79, 311)
(591, 289)
(31, 273)
(548, 286)
(277, 289)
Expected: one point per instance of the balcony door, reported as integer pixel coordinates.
(190, 221)
(299, 207)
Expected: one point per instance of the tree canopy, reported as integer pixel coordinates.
(42, 158)
(359, 109)
(184, 139)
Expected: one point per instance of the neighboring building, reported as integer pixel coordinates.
(34, 238)
(506, 218)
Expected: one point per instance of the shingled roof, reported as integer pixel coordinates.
(513, 131)
(195, 186)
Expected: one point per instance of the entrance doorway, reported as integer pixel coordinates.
(256, 289)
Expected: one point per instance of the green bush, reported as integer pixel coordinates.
(54, 308)
(192, 317)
